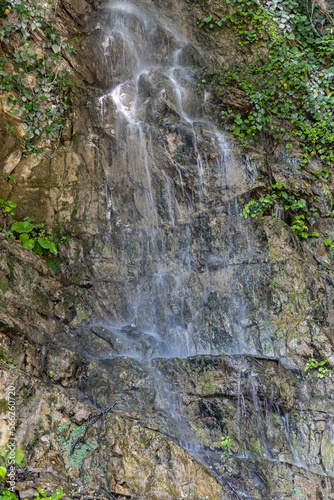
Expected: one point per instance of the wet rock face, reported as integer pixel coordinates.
(197, 322)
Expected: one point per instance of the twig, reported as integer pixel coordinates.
(94, 419)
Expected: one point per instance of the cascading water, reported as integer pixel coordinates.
(150, 68)
(182, 268)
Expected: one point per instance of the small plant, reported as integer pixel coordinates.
(324, 173)
(7, 207)
(225, 443)
(8, 178)
(9, 458)
(329, 242)
(51, 374)
(5, 455)
(42, 494)
(301, 229)
(7, 495)
(313, 364)
(257, 208)
(32, 236)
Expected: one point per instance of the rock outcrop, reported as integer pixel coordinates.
(196, 322)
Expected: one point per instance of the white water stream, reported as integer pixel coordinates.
(167, 308)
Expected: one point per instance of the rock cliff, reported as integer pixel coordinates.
(198, 323)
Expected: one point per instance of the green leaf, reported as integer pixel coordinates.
(26, 241)
(22, 227)
(56, 48)
(48, 245)
(38, 249)
(53, 249)
(19, 456)
(45, 243)
(3, 472)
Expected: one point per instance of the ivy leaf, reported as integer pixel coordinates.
(56, 48)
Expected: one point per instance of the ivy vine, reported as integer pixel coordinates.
(34, 81)
(289, 205)
(291, 89)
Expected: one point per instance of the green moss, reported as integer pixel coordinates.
(255, 447)
(3, 406)
(67, 439)
(144, 441)
(299, 494)
(4, 285)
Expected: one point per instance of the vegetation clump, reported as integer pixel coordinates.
(290, 90)
(34, 80)
(32, 236)
(225, 444)
(279, 199)
(322, 371)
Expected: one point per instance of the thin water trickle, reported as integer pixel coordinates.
(296, 460)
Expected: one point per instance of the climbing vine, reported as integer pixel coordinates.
(279, 199)
(34, 80)
(291, 89)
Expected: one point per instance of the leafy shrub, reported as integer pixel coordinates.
(7, 495)
(56, 495)
(32, 236)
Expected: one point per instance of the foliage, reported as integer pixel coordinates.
(7, 495)
(323, 173)
(56, 495)
(301, 229)
(225, 443)
(293, 82)
(329, 242)
(32, 236)
(8, 177)
(33, 80)
(6, 459)
(286, 202)
(318, 365)
(7, 207)
(5, 452)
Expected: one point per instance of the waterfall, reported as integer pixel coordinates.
(153, 89)
(173, 180)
